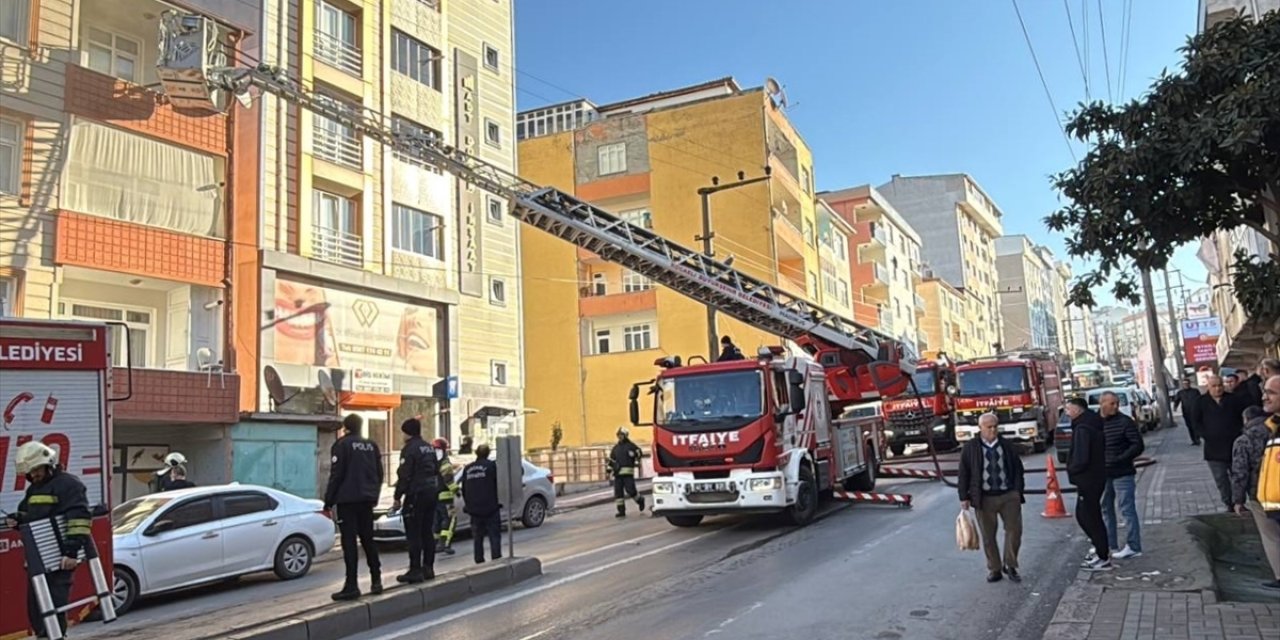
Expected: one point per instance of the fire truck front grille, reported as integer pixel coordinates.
(752, 455)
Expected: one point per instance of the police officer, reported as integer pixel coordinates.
(480, 497)
(623, 462)
(355, 481)
(418, 484)
(446, 519)
(729, 350)
(52, 493)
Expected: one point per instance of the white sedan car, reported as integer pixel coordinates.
(184, 538)
(539, 499)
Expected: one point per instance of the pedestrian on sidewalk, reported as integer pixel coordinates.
(1087, 470)
(1246, 461)
(991, 481)
(1124, 445)
(418, 485)
(1186, 400)
(1220, 416)
(355, 482)
(1230, 382)
(480, 501)
(1254, 384)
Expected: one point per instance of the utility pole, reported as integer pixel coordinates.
(1157, 352)
(708, 250)
(1175, 345)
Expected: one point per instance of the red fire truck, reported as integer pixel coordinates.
(913, 417)
(1023, 389)
(55, 381)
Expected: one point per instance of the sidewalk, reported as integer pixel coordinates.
(1169, 592)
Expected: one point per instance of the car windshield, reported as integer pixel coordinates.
(710, 399)
(992, 382)
(130, 515)
(924, 382)
(1095, 399)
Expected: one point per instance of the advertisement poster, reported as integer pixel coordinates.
(371, 337)
(1200, 339)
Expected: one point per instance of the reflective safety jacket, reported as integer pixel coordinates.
(624, 458)
(447, 481)
(61, 494)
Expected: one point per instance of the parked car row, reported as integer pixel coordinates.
(1134, 402)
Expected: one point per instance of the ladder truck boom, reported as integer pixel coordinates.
(861, 363)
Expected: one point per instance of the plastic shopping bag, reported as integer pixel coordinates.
(967, 531)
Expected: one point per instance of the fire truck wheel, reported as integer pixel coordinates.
(293, 558)
(806, 507)
(684, 521)
(865, 481)
(124, 589)
(898, 448)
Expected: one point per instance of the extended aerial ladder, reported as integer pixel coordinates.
(861, 363)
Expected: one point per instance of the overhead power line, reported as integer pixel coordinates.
(1106, 61)
(1057, 119)
(1075, 43)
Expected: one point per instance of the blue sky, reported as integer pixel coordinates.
(876, 87)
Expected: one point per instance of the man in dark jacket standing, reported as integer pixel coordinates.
(1186, 400)
(729, 350)
(1254, 384)
(480, 501)
(1124, 445)
(418, 485)
(1087, 470)
(1220, 415)
(355, 481)
(624, 461)
(991, 481)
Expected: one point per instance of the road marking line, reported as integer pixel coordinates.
(418, 628)
(538, 634)
(731, 620)
(606, 547)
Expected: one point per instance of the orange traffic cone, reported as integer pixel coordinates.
(1053, 506)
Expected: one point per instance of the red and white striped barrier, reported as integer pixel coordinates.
(900, 472)
(900, 499)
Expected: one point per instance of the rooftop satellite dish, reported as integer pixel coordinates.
(327, 387)
(275, 387)
(775, 91)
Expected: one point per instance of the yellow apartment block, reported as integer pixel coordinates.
(944, 325)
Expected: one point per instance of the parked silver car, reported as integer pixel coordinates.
(538, 500)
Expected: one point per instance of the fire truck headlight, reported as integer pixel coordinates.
(665, 488)
(764, 484)
(941, 427)
(888, 433)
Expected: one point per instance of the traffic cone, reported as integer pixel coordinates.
(1053, 506)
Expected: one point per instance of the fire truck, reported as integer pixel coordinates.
(927, 410)
(785, 452)
(55, 385)
(1023, 389)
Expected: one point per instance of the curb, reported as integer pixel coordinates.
(398, 603)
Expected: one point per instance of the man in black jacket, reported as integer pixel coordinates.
(991, 481)
(1186, 400)
(624, 461)
(1087, 470)
(1220, 415)
(480, 501)
(1124, 445)
(418, 484)
(355, 481)
(1254, 384)
(729, 350)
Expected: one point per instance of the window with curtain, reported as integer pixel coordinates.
(116, 174)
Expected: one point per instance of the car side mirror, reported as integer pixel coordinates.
(159, 526)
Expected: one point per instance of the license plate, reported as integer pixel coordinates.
(709, 487)
(912, 432)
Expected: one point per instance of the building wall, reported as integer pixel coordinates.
(943, 320)
(1026, 293)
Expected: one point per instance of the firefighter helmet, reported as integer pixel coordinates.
(624, 432)
(441, 444)
(175, 459)
(35, 454)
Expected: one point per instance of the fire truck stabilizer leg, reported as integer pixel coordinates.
(898, 499)
(44, 604)
(105, 602)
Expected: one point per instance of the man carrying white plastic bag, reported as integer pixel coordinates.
(990, 482)
(967, 531)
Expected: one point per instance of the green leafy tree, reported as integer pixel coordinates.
(1198, 153)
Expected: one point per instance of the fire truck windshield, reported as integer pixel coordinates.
(994, 381)
(925, 381)
(128, 516)
(720, 400)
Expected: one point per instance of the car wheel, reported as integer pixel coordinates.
(535, 512)
(293, 558)
(124, 589)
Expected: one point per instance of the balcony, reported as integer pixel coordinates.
(336, 246)
(174, 398)
(338, 54)
(593, 306)
(870, 274)
(920, 306)
(333, 143)
(791, 245)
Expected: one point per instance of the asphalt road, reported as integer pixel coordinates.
(863, 571)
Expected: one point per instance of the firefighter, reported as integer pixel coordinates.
(418, 483)
(51, 493)
(178, 480)
(729, 350)
(164, 476)
(446, 520)
(623, 462)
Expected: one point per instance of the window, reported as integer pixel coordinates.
(416, 231)
(10, 156)
(598, 285)
(335, 232)
(189, 514)
(416, 59)
(602, 341)
(809, 237)
(407, 127)
(638, 337)
(334, 141)
(492, 133)
(136, 334)
(638, 218)
(498, 291)
(496, 210)
(633, 282)
(113, 54)
(14, 20)
(8, 296)
(242, 504)
(337, 40)
(491, 57)
(498, 372)
(613, 158)
(813, 282)
(804, 179)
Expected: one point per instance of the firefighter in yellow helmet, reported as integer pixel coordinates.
(624, 460)
(446, 518)
(52, 492)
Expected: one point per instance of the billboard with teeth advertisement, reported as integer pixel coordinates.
(369, 336)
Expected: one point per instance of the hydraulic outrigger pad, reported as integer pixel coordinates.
(900, 499)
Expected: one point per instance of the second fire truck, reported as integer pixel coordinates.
(1023, 389)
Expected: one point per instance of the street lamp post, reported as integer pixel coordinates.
(708, 235)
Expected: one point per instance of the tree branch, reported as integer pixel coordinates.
(1262, 229)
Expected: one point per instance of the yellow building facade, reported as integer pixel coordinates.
(944, 321)
(592, 328)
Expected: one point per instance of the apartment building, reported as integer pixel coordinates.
(1027, 294)
(1084, 337)
(1060, 282)
(945, 322)
(594, 328)
(835, 242)
(958, 224)
(886, 262)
